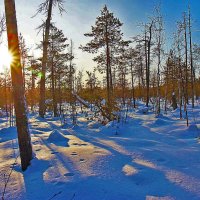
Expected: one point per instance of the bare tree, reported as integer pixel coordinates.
(148, 44)
(2, 26)
(159, 42)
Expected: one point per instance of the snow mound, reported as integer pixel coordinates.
(58, 138)
(190, 132)
(161, 122)
(8, 134)
(193, 127)
(143, 110)
(94, 125)
(2, 113)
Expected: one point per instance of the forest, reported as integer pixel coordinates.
(125, 128)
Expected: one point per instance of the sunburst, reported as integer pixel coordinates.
(5, 58)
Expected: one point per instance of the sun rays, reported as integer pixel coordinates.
(5, 58)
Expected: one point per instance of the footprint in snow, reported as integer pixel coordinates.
(161, 160)
(74, 154)
(36, 142)
(83, 144)
(97, 152)
(54, 152)
(37, 149)
(69, 174)
(58, 183)
(75, 144)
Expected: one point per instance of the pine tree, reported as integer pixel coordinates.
(106, 37)
(57, 46)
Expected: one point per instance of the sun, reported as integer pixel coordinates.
(5, 58)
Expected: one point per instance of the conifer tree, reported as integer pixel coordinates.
(106, 36)
(57, 46)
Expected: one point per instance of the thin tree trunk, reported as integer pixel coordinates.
(181, 83)
(146, 61)
(6, 96)
(186, 60)
(44, 62)
(55, 111)
(108, 71)
(32, 86)
(158, 75)
(148, 54)
(71, 81)
(132, 84)
(191, 61)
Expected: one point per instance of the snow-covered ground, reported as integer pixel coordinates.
(147, 157)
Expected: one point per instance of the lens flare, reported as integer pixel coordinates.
(5, 58)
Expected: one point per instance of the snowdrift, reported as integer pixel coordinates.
(58, 139)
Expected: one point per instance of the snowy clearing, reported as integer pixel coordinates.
(147, 158)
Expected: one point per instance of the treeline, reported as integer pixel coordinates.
(138, 68)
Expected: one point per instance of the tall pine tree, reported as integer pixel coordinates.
(106, 37)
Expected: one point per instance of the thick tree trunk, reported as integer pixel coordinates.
(17, 84)
(44, 61)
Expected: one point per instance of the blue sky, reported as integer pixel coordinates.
(81, 14)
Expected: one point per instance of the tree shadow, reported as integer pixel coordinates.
(34, 184)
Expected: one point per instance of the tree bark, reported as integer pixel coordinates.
(24, 139)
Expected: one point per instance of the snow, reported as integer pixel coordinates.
(148, 157)
(58, 138)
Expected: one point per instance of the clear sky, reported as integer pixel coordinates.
(81, 14)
